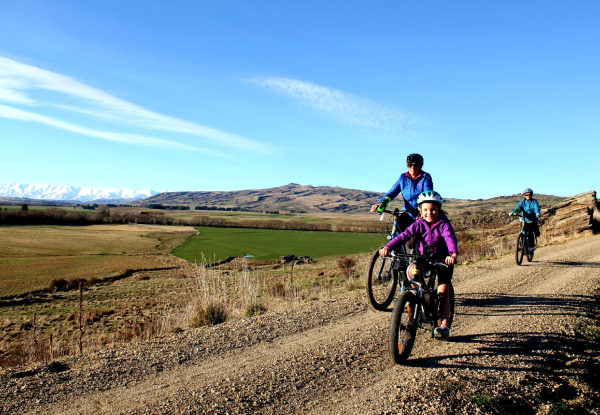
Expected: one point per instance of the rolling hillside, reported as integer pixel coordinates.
(311, 199)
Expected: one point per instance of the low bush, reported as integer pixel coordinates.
(346, 265)
(58, 284)
(255, 309)
(277, 290)
(210, 314)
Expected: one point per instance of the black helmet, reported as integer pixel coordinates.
(415, 158)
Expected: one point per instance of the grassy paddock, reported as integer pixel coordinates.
(267, 244)
(32, 256)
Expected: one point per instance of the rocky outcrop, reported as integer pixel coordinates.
(573, 216)
(489, 218)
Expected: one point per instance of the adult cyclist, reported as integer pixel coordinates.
(531, 212)
(411, 184)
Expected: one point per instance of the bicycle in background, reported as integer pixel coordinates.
(526, 241)
(384, 273)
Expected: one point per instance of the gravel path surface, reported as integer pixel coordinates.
(513, 350)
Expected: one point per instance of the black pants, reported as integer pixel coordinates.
(404, 221)
(531, 229)
(445, 274)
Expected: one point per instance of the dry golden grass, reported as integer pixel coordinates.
(24, 275)
(33, 241)
(32, 256)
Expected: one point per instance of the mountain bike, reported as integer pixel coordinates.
(524, 239)
(417, 306)
(384, 273)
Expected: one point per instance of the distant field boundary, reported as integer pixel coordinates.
(38, 296)
(55, 216)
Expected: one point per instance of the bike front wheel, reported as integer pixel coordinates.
(520, 249)
(382, 280)
(403, 327)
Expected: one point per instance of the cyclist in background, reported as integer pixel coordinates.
(437, 233)
(531, 212)
(411, 184)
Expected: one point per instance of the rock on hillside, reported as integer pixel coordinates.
(573, 216)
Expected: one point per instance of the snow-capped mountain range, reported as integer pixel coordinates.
(73, 194)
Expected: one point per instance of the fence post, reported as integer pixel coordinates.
(80, 318)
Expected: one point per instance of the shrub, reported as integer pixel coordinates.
(210, 314)
(58, 284)
(346, 265)
(255, 309)
(277, 290)
(74, 283)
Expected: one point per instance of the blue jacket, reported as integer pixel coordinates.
(530, 208)
(410, 190)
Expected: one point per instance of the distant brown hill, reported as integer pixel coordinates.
(289, 198)
(311, 199)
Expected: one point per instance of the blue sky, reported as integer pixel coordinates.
(231, 95)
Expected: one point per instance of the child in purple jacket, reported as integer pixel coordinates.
(438, 233)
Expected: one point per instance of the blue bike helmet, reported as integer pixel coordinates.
(528, 190)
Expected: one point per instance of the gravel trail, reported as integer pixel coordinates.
(510, 338)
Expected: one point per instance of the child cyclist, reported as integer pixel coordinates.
(437, 232)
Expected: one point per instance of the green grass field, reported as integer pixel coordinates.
(265, 244)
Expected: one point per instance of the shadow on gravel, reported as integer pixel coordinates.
(571, 264)
(560, 264)
(534, 351)
(511, 305)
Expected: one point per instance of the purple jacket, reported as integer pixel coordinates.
(440, 237)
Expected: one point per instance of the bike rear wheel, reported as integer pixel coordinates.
(520, 249)
(403, 327)
(382, 280)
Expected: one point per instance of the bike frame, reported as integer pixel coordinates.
(422, 286)
(526, 230)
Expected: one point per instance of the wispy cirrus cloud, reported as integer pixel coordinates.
(16, 114)
(19, 80)
(341, 105)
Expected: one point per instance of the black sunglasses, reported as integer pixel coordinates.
(413, 165)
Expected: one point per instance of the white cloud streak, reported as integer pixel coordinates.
(343, 106)
(16, 78)
(16, 114)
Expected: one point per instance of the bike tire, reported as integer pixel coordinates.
(403, 327)
(520, 249)
(382, 281)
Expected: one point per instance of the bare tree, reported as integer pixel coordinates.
(104, 210)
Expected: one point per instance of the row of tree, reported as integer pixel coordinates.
(56, 216)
